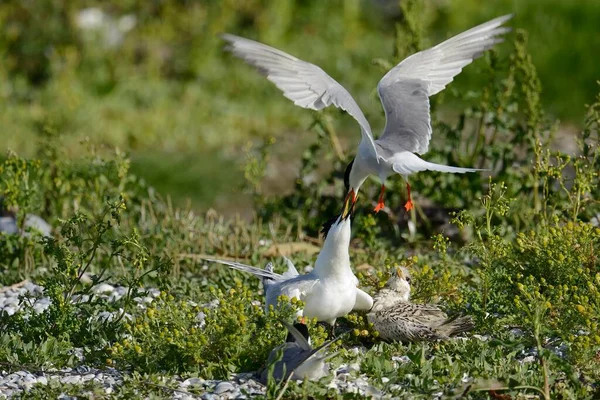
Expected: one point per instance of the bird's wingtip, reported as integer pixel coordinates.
(503, 18)
(227, 36)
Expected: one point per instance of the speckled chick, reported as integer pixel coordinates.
(397, 319)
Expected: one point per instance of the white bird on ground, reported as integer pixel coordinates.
(397, 319)
(296, 356)
(404, 92)
(329, 291)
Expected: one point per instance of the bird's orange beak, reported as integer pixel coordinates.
(349, 204)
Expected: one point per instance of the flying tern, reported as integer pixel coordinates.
(404, 92)
(296, 357)
(329, 291)
(397, 319)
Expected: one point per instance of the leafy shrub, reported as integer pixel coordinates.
(524, 261)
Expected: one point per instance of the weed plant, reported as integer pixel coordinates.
(525, 267)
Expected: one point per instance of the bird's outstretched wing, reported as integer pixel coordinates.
(405, 90)
(306, 84)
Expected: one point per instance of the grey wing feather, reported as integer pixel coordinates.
(306, 84)
(265, 273)
(298, 337)
(291, 271)
(296, 287)
(457, 325)
(405, 90)
(312, 365)
(409, 322)
(291, 356)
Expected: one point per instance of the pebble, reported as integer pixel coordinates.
(223, 387)
(103, 288)
(10, 310)
(72, 379)
(346, 378)
(239, 387)
(354, 367)
(12, 301)
(192, 381)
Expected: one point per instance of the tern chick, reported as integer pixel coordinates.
(397, 319)
(329, 291)
(296, 356)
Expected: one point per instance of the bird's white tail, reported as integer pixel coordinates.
(247, 268)
(447, 168)
(406, 163)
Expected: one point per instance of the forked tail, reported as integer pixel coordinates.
(406, 163)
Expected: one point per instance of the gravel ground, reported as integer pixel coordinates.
(239, 387)
(346, 378)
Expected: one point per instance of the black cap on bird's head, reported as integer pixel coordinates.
(330, 222)
(347, 176)
(302, 328)
(350, 198)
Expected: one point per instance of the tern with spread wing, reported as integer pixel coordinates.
(404, 92)
(329, 291)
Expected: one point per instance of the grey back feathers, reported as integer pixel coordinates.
(296, 357)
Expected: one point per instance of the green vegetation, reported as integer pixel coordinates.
(164, 90)
(521, 256)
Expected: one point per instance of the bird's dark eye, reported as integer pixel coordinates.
(408, 280)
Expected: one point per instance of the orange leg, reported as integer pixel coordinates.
(380, 204)
(409, 204)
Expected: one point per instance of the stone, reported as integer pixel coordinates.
(223, 387)
(192, 381)
(103, 288)
(73, 379)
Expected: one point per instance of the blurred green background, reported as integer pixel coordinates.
(150, 77)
